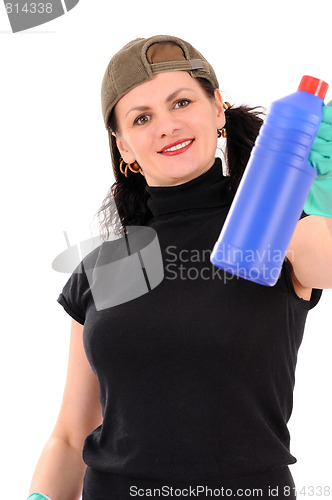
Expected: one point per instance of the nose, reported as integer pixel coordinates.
(167, 125)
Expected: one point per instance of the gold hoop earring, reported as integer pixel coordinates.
(135, 168)
(123, 171)
(222, 132)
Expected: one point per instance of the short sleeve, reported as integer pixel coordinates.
(304, 304)
(75, 294)
(316, 292)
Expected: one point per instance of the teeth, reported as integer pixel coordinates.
(178, 146)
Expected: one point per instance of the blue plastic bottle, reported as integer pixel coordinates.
(274, 187)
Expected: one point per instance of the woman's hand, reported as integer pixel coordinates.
(310, 250)
(319, 201)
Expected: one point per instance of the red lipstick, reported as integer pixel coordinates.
(178, 149)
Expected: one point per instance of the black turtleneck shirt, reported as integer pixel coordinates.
(196, 376)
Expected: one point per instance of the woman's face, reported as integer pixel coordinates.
(169, 126)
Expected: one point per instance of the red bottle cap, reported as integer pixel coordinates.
(314, 86)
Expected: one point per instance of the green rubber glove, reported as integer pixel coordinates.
(319, 200)
(38, 496)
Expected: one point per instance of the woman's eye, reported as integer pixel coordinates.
(182, 103)
(142, 119)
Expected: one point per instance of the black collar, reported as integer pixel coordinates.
(205, 191)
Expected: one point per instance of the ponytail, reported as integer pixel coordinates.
(242, 127)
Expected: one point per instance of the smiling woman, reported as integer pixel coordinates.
(196, 376)
(168, 140)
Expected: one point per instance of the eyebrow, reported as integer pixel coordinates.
(168, 99)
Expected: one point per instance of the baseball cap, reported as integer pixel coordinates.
(139, 60)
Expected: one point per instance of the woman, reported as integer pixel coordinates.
(196, 376)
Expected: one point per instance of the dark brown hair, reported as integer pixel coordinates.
(126, 201)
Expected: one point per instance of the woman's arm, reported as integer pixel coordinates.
(60, 470)
(310, 252)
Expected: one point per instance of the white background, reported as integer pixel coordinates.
(56, 170)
